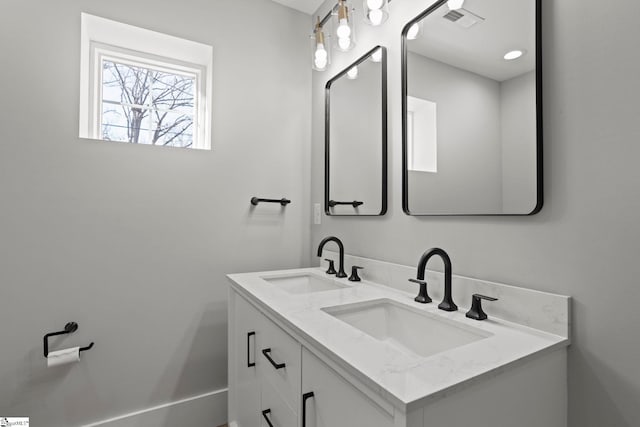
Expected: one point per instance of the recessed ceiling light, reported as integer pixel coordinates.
(514, 54)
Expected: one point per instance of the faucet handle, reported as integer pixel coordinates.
(332, 268)
(476, 312)
(423, 297)
(354, 274)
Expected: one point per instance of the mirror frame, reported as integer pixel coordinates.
(327, 136)
(539, 127)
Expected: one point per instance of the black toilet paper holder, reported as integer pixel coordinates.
(68, 329)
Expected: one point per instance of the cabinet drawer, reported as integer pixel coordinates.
(275, 409)
(279, 362)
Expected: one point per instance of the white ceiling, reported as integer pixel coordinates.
(508, 25)
(306, 6)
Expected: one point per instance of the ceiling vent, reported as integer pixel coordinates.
(453, 15)
(463, 18)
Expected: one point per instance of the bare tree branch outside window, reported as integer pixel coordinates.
(146, 106)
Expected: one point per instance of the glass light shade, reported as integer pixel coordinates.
(320, 50)
(375, 12)
(344, 28)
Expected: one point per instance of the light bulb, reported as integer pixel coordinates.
(375, 4)
(320, 63)
(455, 4)
(514, 54)
(412, 34)
(375, 17)
(344, 43)
(377, 56)
(353, 73)
(343, 31)
(321, 52)
(320, 57)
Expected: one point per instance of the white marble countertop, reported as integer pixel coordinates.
(405, 380)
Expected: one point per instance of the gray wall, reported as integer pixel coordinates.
(518, 135)
(586, 240)
(469, 148)
(133, 242)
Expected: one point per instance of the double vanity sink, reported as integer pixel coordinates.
(303, 283)
(404, 363)
(407, 329)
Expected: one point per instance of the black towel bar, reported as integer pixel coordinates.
(355, 203)
(283, 201)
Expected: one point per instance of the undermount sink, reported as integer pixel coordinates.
(303, 283)
(407, 329)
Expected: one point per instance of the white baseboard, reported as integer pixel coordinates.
(205, 410)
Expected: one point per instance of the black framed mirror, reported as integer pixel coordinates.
(472, 109)
(356, 138)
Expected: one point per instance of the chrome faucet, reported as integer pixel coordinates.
(324, 241)
(447, 303)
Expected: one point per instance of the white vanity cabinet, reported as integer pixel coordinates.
(292, 364)
(261, 389)
(264, 369)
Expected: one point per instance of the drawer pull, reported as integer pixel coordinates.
(264, 415)
(266, 352)
(305, 397)
(249, 363)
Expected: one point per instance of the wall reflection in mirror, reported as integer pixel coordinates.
(356, 138)
(472, 135)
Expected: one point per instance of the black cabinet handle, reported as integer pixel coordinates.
(264, 415)
(266, 352)
(249, 363)
(305, 397)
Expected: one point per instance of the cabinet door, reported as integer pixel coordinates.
(335, 402)
(246, 380)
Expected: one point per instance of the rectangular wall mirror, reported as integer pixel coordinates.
(472, 119)
(356, 138)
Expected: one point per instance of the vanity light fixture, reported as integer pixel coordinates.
(344, 15)
(376, 12)
(344, 26)
(352, 74)
(514, 54)
(455, 4)
(320, 49)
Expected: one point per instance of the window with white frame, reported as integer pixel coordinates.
(143, 87)
(422, 135)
